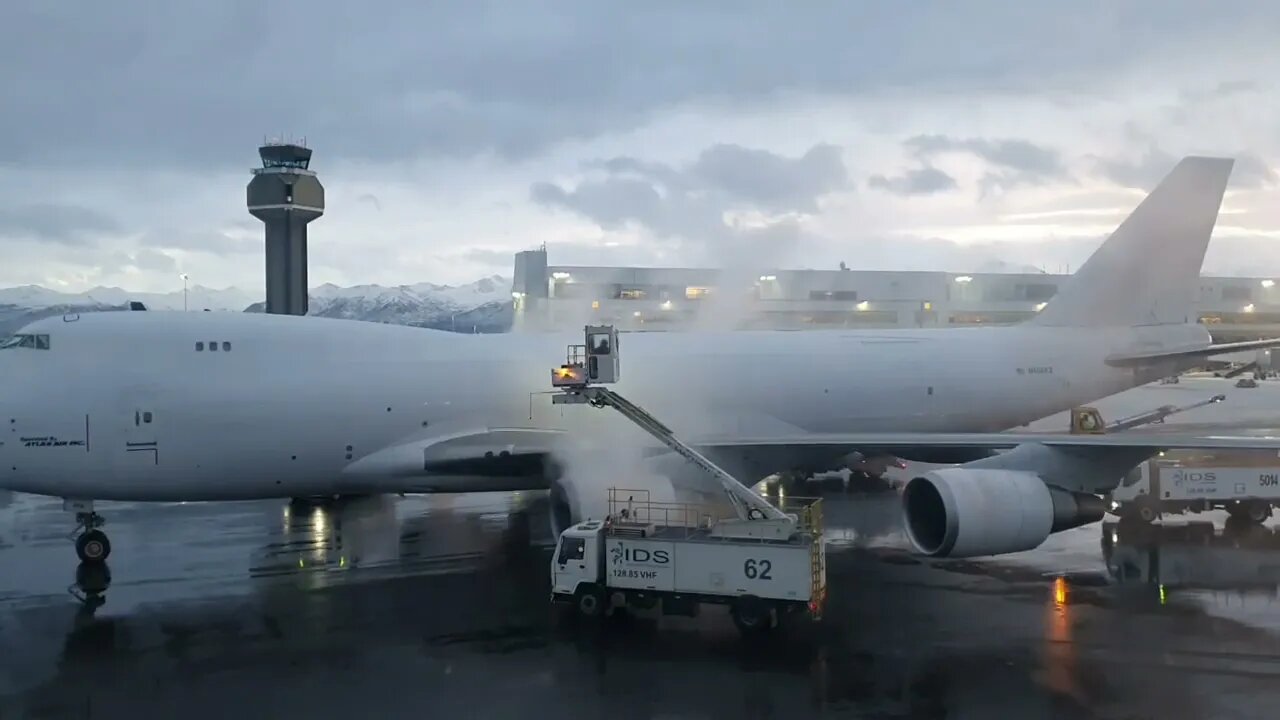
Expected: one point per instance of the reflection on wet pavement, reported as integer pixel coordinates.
(394, 606)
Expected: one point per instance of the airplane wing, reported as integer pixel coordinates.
(895, 443)
(1204, 352)
(505, 459)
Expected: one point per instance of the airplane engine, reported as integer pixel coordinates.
(968, 512)
(573, 500)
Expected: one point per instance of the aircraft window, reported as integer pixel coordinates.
(572, 549)
(213, 346)
(199, 347)
(226, 347)
(146, 417)
(35, 342)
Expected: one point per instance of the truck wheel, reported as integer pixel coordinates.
(752, 616)
(1239, 511)
(1259, 511)
(1138, 510)
(590, 601)
(1145, 512)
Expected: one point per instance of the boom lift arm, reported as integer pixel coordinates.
(1087, 420)
(597, 362)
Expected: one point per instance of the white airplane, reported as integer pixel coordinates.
(171, 406)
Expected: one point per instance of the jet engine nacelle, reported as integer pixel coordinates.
(967, 512)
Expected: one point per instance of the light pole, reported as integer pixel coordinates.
(184, 292)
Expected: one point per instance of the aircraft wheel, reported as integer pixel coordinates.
(93, 546)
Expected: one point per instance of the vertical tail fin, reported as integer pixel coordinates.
(1147, 272)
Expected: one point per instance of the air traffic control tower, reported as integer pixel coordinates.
(285, 195)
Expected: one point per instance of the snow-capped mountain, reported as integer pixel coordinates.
(198, 298)
(480, 306)
(1002, 267)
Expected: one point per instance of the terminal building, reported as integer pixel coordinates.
(550, 297)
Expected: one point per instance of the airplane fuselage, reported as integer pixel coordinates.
(140, 406)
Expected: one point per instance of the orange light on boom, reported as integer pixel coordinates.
(568, 375)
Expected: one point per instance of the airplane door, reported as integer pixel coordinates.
(140, 438)
(140, 420)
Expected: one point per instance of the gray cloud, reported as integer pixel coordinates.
(689, 205)
(104, 262)
(1250, 170)
(770, 180)
(1013, 162)
(487, 256)
(1027, 161)
(217, 243)
(56, 223)
(154, 260)
(919, 181)
(1224, 89)
(611, 202)
(183, 84)
(1231, 87)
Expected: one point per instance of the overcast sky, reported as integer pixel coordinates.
(922, 135)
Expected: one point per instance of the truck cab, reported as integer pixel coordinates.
(578, 564)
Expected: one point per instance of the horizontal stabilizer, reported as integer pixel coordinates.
(1204, 352)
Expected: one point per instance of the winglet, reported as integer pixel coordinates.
(1147, 271)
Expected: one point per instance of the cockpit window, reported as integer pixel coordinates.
(1132, 477)
(34, 342)
(600, 343)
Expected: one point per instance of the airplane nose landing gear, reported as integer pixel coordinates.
(92, 545)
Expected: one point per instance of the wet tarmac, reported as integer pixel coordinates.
(1243, 411)
(434, 607)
